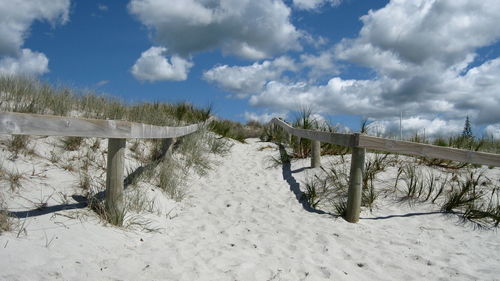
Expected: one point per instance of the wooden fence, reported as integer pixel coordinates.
(359, 143)
(117, 131)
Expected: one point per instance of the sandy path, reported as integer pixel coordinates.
(246, 224)
(243, 222)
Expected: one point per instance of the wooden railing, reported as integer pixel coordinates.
(117, 131)
(359, 143)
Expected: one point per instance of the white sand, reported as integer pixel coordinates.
(241, 222)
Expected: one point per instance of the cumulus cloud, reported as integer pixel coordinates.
(245, 28)
(493, 130)
(102, 7)
(27, 62)
(16, 17)
(314, 4)
(417, 126)
(249, 79)
(102, 83)
(452, 99)
(154, 66)
(422, 66)
(445, 31)
(320, 65)
(425, 57)
(264, 117)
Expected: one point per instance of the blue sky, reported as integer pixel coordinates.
(436, 61)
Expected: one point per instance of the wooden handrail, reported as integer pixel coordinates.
(395, 146)
(360, 143)
(328, 137)
(117, 132)
(48, 125)
(428, 150)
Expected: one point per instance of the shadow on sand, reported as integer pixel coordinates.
(404, 215)
(294, 185)
(295, 188)
(81, 203)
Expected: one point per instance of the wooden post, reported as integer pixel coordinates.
(114, 181)
(355, 183)
(167, 146)
(315, 154)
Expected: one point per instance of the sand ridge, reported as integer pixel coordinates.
(244, 222)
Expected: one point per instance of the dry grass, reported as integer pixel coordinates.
(7, 223)
(14, 178)
(72, 143)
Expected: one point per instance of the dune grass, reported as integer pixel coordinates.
(29, 95)
(236, 130)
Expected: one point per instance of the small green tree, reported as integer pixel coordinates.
(467, 132)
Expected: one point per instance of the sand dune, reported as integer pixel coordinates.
(243, 222)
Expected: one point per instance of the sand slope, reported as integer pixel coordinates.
(244, 222)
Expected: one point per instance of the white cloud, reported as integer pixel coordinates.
(154, 66)
(102, 83)
(102, 7)
(418, 126)
(421, 66)
(248, 79)
(474, 94)
(493, 130)
(16, 17)
(245, 28)
(251, 79)
(28, 62)
(408, 33)
(320, 65)
(336, 97)
(314, 4)
(264, 117)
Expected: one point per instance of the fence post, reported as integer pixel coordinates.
(167, 146)
(355, 182)
(114, 181)
(315, 154)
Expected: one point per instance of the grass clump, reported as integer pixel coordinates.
(468, 201)
(317, 191)
(302, 147)
(14, 178)
(373, 166)
(236, 130)
(219, 146)
(19, 144)
(171, 179)
(274, 133)
(72, 143)
(195, 152)
(6, 221)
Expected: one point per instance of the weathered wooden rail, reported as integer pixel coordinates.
(117, 131)
(359, 143)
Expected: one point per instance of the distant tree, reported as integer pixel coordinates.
(467, 132)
